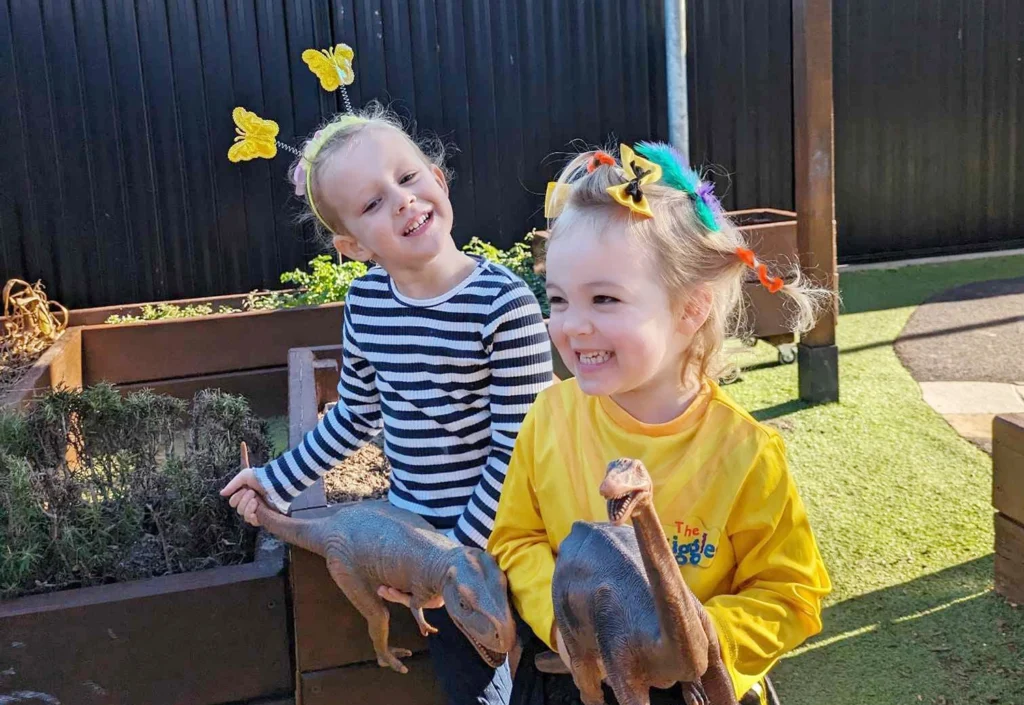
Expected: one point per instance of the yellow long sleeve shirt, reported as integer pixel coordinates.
(725, 497)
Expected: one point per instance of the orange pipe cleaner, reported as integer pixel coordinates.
(747, 256)
(598, 159)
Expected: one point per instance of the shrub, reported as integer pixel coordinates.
(98, 488)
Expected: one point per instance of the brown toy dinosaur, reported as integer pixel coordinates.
(623, 610)
(373, 543)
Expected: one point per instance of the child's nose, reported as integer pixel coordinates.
(576, 324)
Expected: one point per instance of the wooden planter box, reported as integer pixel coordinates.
(1008, 500)
(206, 638)
(240, 353)
(334, 659)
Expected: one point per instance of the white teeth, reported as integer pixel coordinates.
(418, 223)
(595, 358)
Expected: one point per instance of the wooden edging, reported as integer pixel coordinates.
(204, 638)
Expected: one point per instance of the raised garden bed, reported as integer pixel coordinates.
(97, 490)
(242, 353)
(334, 658)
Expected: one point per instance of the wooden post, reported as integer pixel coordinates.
(818, 356)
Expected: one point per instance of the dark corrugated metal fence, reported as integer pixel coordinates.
(114, 184)
(929, 135)
(116, 115)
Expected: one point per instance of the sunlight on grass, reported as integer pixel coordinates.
(896, 498)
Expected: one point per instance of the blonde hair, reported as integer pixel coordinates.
(687, 253)
(373, 116)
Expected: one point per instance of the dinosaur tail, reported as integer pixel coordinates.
(298, 532)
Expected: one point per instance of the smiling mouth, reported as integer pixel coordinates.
(621, 506)
(418, 227)
(594, 358)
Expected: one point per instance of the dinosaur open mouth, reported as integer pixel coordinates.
(491, 658)
(619, 508)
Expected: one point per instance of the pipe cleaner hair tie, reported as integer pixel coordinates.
(257, 137)
(598, 159)
(747, 256)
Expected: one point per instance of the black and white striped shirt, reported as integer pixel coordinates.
(449, 379)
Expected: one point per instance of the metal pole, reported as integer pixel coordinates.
(675, 67)
(814, 172)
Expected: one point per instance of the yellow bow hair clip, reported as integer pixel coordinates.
(640, 172)
(333, 66)
(555, 198)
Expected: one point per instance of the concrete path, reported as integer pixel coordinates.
(965, 347)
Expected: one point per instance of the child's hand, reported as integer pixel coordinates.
(245, 493)
(403, 598)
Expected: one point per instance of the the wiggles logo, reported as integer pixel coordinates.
(693, 545)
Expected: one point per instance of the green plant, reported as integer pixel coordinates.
(327, 281)
(151, 312)
(517, 258)
(96, 487)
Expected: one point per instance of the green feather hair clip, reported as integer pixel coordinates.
(676, 173)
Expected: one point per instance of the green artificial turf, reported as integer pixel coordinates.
(901, 507)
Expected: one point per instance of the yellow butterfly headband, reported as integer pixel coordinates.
(257, 137)
(639, 172)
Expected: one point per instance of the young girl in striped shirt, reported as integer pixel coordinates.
(644, 277)
(443, 352)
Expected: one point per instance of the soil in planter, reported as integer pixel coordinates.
(364, 475)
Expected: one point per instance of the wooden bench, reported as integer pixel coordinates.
(1008, 500)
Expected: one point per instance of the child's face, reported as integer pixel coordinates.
(393, 207)
(611, 318)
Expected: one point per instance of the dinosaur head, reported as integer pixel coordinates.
(626, 485)
(476, 596)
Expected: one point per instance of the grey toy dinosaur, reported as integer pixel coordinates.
(373, 543)
(623, 610)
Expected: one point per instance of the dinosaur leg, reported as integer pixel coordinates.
(586, 669)
(693, 693)
(373, 610)
(417, 612)
(628, 692)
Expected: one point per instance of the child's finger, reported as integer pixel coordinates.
(236, 483)
(236, 499)
(243, 499)
(392, 595)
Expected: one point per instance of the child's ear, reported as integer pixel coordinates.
(696, 310)
(348, 246)
(439, 175)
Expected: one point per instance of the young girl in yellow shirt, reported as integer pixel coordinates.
(644, 276)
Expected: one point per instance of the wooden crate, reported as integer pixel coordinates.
(1008, 499)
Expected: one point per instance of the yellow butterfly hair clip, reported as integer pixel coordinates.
(333, 66)
(640, 172)
(255, 138)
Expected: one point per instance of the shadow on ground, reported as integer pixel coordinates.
(942, 638)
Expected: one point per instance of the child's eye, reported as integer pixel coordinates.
(601, 299)
(556, 300)
(371, 205)
(408, 177)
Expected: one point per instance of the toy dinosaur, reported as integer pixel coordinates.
(372, 543)
(623, 610)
